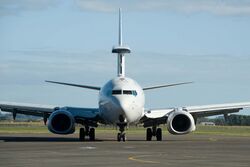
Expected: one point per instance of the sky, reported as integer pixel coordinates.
(205, 41)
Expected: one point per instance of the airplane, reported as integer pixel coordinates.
(121, 102)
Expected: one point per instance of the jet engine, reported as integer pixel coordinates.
(61, 122)
(180, 122)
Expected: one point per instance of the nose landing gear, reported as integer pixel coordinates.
(121, 136)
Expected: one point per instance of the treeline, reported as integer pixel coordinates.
(238, 120)
(232, 120)
(19, 117)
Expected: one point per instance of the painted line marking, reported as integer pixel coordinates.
(88, 148)
(137, 159)
(212, 139)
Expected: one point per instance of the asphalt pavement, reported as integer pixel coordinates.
(40, 150)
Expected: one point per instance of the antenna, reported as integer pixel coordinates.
(120, 27)
(120, 50)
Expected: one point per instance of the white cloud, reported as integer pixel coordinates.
(96, 5)
(13, 7)
(218, 7)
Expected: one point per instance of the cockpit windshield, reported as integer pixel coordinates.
(116, 92)
(124, 92)
(127, 92)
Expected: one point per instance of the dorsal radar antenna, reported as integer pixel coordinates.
(120, 50)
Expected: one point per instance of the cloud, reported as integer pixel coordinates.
(217, 7)
(35, 65)
(13, 7)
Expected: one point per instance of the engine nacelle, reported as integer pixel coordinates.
(61, 122)
(180, 122)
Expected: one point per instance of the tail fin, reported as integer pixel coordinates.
(120, 50)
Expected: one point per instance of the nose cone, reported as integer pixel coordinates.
(128, 110)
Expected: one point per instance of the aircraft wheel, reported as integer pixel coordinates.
(149, 134)
(123, 137)
(92, 134)
(119, 137)
(82, 134)
(159, 134)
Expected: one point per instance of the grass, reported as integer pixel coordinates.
(224, 130)
(23, 127)
(38, 127)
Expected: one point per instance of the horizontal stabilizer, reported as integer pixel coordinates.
(76, 85)
(167, 85)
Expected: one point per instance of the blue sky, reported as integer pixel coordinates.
(172, 41)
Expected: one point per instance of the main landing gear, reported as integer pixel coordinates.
(154, 131)
(87, 132)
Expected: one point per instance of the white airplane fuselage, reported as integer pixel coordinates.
(121, 99)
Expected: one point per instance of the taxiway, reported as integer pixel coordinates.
(190, 150)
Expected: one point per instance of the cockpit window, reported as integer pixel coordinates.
(134, 93)
(116, 92)
(124, 92)
(127, 92)
(130, 92)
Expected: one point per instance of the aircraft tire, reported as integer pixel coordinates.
(159, 134)
(149, 134)
(119, 137)
(92, 134)
(82, 134)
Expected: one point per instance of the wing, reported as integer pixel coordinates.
(155, 117)
(166, 85)
(84, 116)
(159, 116)
(27, 109)
(80, 114)
(76, 85)
(217, 109)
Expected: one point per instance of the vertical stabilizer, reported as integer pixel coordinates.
(120, 50)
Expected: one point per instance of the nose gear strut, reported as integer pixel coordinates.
(121, 136)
